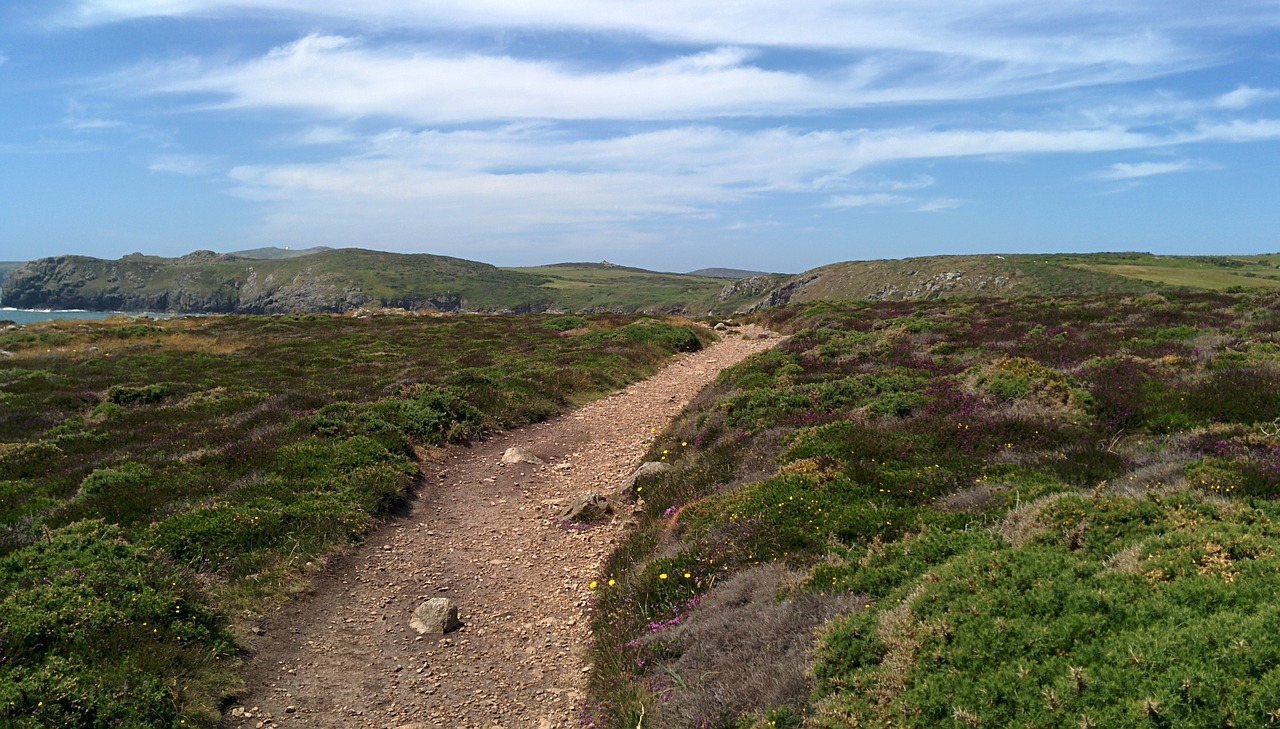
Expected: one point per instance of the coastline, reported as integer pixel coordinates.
(31, 316)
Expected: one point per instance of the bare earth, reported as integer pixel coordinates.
(485, 535)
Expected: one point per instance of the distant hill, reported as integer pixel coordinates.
(1026, 274)
(273, 253)
(335, 280)
(727, 273)
(345, 279)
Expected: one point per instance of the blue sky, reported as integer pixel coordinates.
(667, 134)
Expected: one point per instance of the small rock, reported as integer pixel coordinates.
(238, 711)
(516, 454)
(437, 616)
(290, 709)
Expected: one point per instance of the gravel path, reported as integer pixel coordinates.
(483, 534)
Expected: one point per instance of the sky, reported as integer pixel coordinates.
(666, 134)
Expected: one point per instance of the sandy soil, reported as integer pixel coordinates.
(485, 535)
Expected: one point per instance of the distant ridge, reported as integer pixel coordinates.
(727, 273)
(273, 253)
(337, 280)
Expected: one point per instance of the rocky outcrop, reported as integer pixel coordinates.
(783, 294)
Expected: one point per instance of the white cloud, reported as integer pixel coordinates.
(1244, 96)
(938, 204)
(190, 165)
(1084, 33)
(875, 199)
(338, 76)
(473, 186)
(1132, 171)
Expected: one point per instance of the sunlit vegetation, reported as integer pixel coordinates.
(1046, 512)
(160, 478)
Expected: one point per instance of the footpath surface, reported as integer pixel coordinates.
(485, 535)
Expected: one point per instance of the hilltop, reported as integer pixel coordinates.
(1061, 274)
(274, 253)
(273, 280)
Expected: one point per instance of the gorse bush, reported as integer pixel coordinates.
(92, 628)
(1052, 513)
(229, 453)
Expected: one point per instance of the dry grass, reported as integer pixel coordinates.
(743, 649)
(1022, 523)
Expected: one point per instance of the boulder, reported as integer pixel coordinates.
(587, 507)
(517, 454)
(646, 469)
(436, 616)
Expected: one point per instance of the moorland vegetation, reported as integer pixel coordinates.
(1039, 512)
(162, 479)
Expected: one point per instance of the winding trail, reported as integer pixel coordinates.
(483, 534)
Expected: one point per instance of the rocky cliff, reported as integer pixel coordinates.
(201, 282)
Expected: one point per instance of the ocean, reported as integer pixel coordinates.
(26, 316)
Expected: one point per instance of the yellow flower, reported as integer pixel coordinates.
(683, 443)
(662, 576)
(592, 586)
(612, 583)
(687, 575)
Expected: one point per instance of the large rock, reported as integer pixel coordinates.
(646, 469)
(587, 507)
(516, 454)
(436, 616)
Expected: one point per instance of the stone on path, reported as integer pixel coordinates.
(587, 507)
(516, 454)
(436, 616)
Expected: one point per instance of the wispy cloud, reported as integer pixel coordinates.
(875, 199)
(190, 165)
(1243, 97)
(1136, 170)
(342, 76)
(491, 120)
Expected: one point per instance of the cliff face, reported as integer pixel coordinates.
(202, 282)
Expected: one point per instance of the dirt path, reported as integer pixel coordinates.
(483, 534)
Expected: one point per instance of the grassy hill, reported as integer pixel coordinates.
(1055, 512)
(1028, 274)
(272, 252)
(1204, 272)
(727, 273)
(598, 286)
(344, 279)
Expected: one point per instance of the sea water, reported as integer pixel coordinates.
(26, 316)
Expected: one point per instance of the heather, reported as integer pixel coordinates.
(1051, 512)
(163, 479)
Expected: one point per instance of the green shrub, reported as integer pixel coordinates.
(565, 323)
(96, 632)
(438, 416)
(129, 395)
